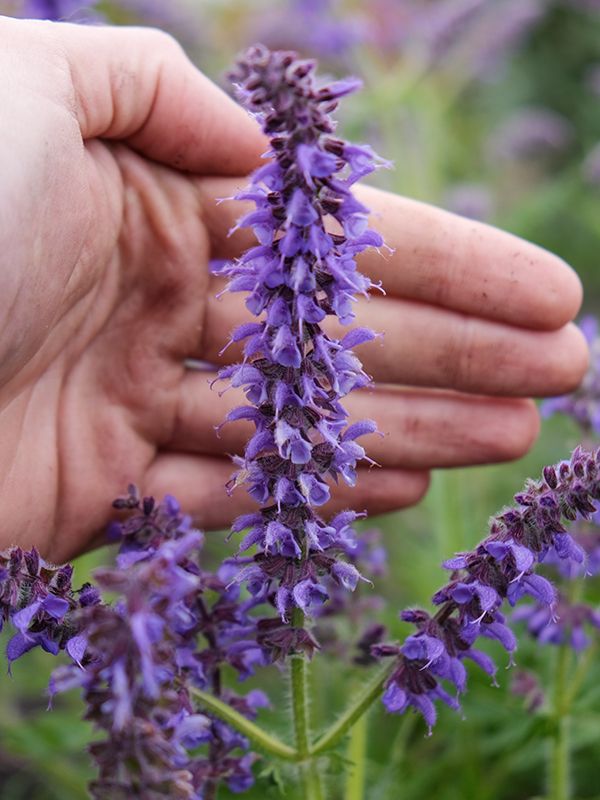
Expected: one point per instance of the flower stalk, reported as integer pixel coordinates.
(362, 703)
(356, 754)
(310, 778)
(559, 764)
(261, 740)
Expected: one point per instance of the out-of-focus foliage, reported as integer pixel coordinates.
(492, 109)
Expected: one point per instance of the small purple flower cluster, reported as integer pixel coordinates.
(293, 373)
(499, 569)
(564, 623)
(37, 598)
(174, 627)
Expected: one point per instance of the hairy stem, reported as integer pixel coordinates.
(310, 779)
(299, 695)
(559, 772)
(356, 754)
(261, 740)
(364, 700)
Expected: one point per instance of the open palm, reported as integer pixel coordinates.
(117, 152)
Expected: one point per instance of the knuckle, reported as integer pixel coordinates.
(458, 361)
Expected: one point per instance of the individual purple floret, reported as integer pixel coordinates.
(294, 374)
(501, 568)
(582, 405)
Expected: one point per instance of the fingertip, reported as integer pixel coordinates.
(531, 423)
(574, 355)
(560, 291)
(520, 430)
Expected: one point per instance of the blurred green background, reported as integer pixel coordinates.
(489, 108)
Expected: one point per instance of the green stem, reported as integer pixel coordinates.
(310, 778)
(583, 667)
(260, 739)
(447, 498)
(559, 773)
(365, 699)
(393, 777)
(357, 747)
(299, 701)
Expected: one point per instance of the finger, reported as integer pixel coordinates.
(199, 485)
(136, 84)
(421, 430)
(438, 258)
(428, 346)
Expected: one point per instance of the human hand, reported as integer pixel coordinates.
(117, 151)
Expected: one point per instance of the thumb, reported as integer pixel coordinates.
(138, 86)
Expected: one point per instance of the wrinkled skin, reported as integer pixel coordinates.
(115, 154)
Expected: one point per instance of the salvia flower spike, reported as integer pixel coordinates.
(500, 569)
(309, 229)
(172, 630)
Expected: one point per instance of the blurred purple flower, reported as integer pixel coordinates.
(530, 133)
(564, 624)
(582, 405)
(392, 25)
(58, 10)
(503, 31)
(472, 200)
(321, 28)
(441, 24)
(583, 5)
(173, 16)
(525, 684)
(591, 166)
(592, 78)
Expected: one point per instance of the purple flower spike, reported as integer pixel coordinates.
(173, 627)
(293, 373)
(499, 569)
